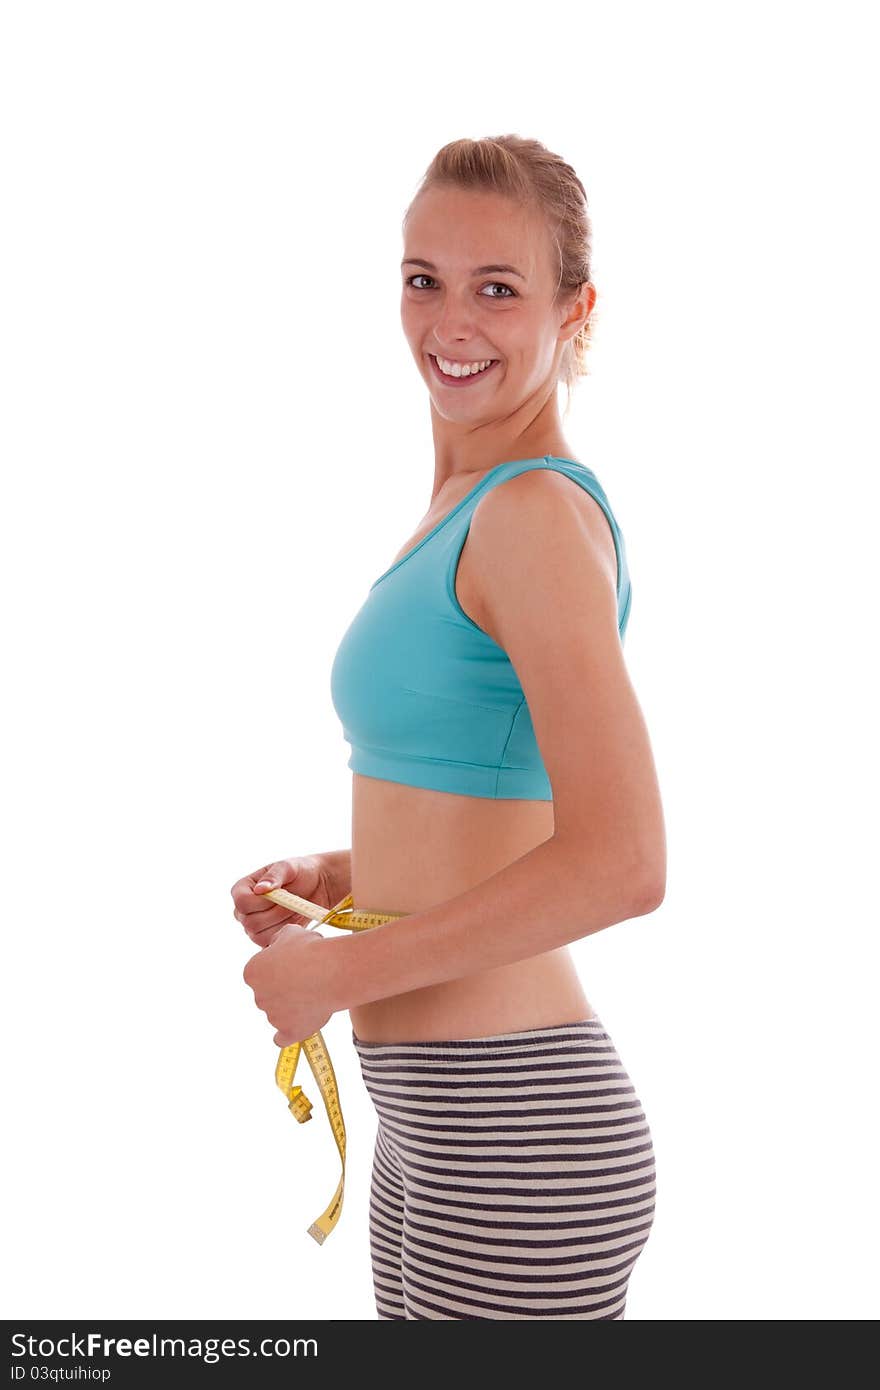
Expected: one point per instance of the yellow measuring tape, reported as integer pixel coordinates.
(315, 1048)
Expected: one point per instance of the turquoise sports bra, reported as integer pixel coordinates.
(425, 696)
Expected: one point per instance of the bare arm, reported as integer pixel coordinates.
(551, 896)
(540, 555)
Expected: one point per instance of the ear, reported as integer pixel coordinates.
(579, 306)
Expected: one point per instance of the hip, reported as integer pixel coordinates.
(568, 1078)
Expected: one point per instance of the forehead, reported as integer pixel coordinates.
(460, 228)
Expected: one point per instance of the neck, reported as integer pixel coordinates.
(535, 429)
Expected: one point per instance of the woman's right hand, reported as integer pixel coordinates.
(307, 875)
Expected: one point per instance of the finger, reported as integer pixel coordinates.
(269, 915)
(264, 938)
(245, 886)
(276, 875)
(286, 880)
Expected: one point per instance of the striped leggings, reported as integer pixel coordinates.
(513, 1176)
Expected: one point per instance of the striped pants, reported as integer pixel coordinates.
(513, 1176)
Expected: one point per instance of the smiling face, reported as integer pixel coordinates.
(479, 281)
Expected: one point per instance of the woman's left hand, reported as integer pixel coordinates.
(290, 983)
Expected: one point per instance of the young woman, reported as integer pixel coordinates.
(505, 799)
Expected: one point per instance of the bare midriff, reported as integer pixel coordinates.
(413, 848)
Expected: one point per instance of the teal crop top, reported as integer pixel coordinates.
(425, 696)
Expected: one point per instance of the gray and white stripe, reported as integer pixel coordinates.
(513, 1176)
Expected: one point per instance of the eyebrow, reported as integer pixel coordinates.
(480, 269)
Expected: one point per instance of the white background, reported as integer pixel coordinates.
(214, 439)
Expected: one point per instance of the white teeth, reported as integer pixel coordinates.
(456, 368)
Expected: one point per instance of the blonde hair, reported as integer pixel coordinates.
(528, 172)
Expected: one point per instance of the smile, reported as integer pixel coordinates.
(461, 374)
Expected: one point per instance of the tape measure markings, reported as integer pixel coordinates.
(318, 1057)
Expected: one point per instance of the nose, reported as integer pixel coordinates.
(455, 322)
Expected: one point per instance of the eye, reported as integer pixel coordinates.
(494, 284)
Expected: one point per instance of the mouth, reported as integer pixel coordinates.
(457, 382)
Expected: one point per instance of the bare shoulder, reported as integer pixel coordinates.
(540, 518)
(547, 494)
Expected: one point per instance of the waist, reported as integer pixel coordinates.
(412, 848)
